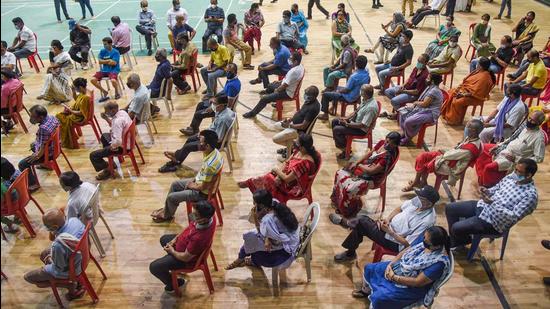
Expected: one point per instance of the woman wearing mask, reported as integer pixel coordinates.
(297, 16)
(57, 87)
(447, 59)
(481, 38)
(253, 22)
(75, 113)
(276, 238)
(444, 34)
(525, 30)
(389, 41)
(341, 27)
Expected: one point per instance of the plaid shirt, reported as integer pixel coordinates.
(511, 202)
(45, 131)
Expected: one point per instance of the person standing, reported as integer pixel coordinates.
(214, 17)
(376, 4)
(319, 7)
(450, 8)
(63, 4)
(503, 5)
(171, 14)
(86, 4)
(146, 25)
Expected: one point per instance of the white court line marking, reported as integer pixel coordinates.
(16, 8)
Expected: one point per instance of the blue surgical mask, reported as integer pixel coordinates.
(518, 177)
(420, 66)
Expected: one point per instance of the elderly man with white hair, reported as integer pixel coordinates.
(343, 67)
(141, 96)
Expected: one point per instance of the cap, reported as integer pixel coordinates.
(210, 138)
(72, 24)
(429, 193)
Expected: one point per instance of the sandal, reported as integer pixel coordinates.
(409, 187)
(235, 264)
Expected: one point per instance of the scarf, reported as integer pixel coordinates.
(501, 117)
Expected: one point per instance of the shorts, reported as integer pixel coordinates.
(102, 75)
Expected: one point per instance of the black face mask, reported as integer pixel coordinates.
(158, 59)
(531, 125)
(231, 75)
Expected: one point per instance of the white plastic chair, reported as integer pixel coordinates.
(145, 118)
(226, 145)
(308, 226)
(126, 57)
(154, 41)
(119, 81)
(436, 17)
(233, 103)
(93, 203)
(166, 96)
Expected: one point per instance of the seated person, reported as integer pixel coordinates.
(343, 68)
(183, 250)
(276, 236)
(526, 143)
(387, 43)
(451, 163)
(414, 275)
(401, 60)
(147, 25)
(204, 109)
(9, 175)
(411, 90)
(506, 118)
(122, 36)
(181, 27)
(185, 58)
(525, 31)
(499, 59)
(214, 17)
(481, 37)
(163, 72)
(80, 194)
(65, 234)
(231, 38)
(447, 59)
(171, 15)
(443, 36)
(360, 123)
(278, 66)
(10, 84)
(500, 207)
(76, 113)
(473, 91)
(396, 232)
(119, 121)
(369, 172)
(288, 32)
(223, 120)
(351, 92)
(109, 67)
(294, 178)
(47, 125)
(433, 8)
(524, 65)
(253, 22)
(194, 189)
(219, 58)
(9, 62)
(80, 43)
(24, 43)
(281, 90)
(298, 17)
(425, 110)
(339, 28)
(290, 129)
(140, 99)
(57, 82)
(533, 81)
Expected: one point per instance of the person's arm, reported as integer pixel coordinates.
(84, 29)
(393, 214)
(300, 126)
(59, 259)
(538, 151)
(372, 169)
(181, 256)
(198, 186)
(14, 43)
(395, 32)
(334, 30)
(520, 78)
(525, 207)
(400, 239)
(491, 116)
(282, 87)
(403, 66)
(500, 62)
(425, 103)
(286, 178)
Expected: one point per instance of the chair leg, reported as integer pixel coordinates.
(503, 247)
(208, 278)
(308, 258)
(174, 276)
(56, 294)
(218, 213)
(36, 203)
(56, 168)
(106, 225)
(98, 267)
(473, 248)
(67, 160)
(4, 238)
(97, 242)
(213, 260)
(420, 137)
(275, 280)
(460, 185)
(96, 131)
(220, 200)
(140, 154)
(383, 195)
(89, 288)
(25, 220)
(134, 163)
(21, 122)
(438, 180)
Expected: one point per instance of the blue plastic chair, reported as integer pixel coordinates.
(477, 239)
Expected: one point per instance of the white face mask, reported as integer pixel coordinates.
(453, 44)
(213, 6)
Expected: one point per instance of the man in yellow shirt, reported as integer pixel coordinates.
(534, 79)
(219, 58)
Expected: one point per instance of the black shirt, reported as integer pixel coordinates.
(79, 37)
(307, 112)
(403, 54)
(504, 54)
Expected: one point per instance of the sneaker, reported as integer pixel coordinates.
(103, 99)
(546, 280)
(181, 282)
(345, 257)
(249, 115)
(248, 67)
(335, 219)
(168, 167)
(149, 52)
(103, 175)
(117, 96)
(281, 150)
(85, 66)
(255, 81)
(545, 244)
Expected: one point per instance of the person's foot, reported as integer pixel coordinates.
(11, 229)
(497, 17)
(345, 257)
(264, 92)
(204, 92)
(545, 244)
(248, 67)
(104, 174)
(411, 14)
(323, 117)
(342, 156)
(155, 110)
(281, 150)
(508, 16)
(78, 293)
(369, 50)
(149, 52)
(59, 21)
(168, 167)
(40, 97)
(336, 219)
(405, 142)
(184, 91)
(103, 99)
(546, 280)
(306, 52)
(379, 5)
(409, 187)
(188, 131)
(249, 115)
(159, 218)
(235, 264)
(83, 18)
(242, 184)
(378, 62)
(383, 114)
(359, 294)
(34, 188)
(374, 6)
(85, 66)
(255, 81)
(181, 282)
(309, 17)
(117, 96)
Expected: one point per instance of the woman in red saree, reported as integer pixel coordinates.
(473, 91)
(369, 172)
(295, 176)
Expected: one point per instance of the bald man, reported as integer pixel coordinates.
(56, 257)
(141, 96)
(359, 123)
(526, 143)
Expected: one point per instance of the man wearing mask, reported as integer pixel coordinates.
(219, 58)
(290, 128)
(24, 43)
(214, 17)
(401, 60)
(185, 58)
(526, 143)
(223, 118)
(343, 68)
(447, 59)
(278, 66)
(9, 62)
(231, 38)
(147, 25)
(533, 81)
(288, 32)
(80, 43)
(500, 207)
(118, 120)
(141, 97)
(122, 37)
(397, 231)
(109, 66)
(281, 90)
(163, 72)
(204, 109)
(47, 124)
(501, 58)
(171, 14)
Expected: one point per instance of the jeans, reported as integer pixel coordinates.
(63, 4)
(210, 79)
(83, 5)
(96, 156)
(319, 7)
(22, 53)
(503, 4)
(178, 80)
(365, 226)
(270, 98)
(161, 267)
(331, 96)
(23, 165)
(525, 90)
(523, 66)
(208, 33)
(200, 114)
(450, 9)
(340, 132)
(461, 230)
(398, 101)
(179, 193)
(147, 33)
(264, 75)
(83, 49)
(383, 72)
(329, 77)
(493, 67)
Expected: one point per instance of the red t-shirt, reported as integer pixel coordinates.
(195, 241)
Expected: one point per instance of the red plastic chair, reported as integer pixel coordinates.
(214, 197)
(307, 192)
(91, 120)
(51, 155)
(400, 79)
(422, 132)
(452, 74)
(191, 69)
(83, 247)
(344, 106)
(350, 138)
(15, 109)
(129, 134)
(439, 179)
(470, 46)
(380, 251)
(530, 98)
(296, 98)
(201, 264)
(500, 75)
(17, 207)
(31, 59)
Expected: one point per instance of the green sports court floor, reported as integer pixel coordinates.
(39, 16)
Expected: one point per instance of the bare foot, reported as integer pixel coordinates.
(242, 184)
(409, 187)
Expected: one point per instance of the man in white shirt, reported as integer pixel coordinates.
(24, 43)
(281, 90)
(176, 9)
(432, 9)
(80, 194)
(394, 233)
(141, 96)
(119, 121)
(8, 59)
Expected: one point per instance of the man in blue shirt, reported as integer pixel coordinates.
(278, 66)
(204, 109)
(109, 63)
(351, 92)
(163, 72)
(214, 18)
(66, 234)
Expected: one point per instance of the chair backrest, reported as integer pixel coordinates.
(82, 249)
(312, 124)
(35, 44)
(204, 255)
(471, 30)
(297, 91)
(214, 185)
(93, 203)
(193, 63)
(229, 133)
(53, 144)
(232, 102)
(308, 226)
(21, 186)
(15, 99)
(90, 117)
(129, 137)
(145, 114)
(445, 95)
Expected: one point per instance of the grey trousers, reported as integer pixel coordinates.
(179, 193)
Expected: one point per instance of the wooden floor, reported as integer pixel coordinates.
(129, 200)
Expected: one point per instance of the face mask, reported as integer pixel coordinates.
(213, 49)
(531, 125)
(401, 40)
(426, 245)
(51, 229)
(176, 7)
(419, 65)
(518, 177)
(17, 28)
(231, 75)
(144, 9)
(307, 98)
(286, 20)
(453, 44)
(213, 6)
(503, 46)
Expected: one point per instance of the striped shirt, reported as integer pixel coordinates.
(212, 164)
(45, 130)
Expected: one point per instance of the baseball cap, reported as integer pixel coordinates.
(429, 193)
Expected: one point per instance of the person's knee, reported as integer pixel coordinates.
(154, 268)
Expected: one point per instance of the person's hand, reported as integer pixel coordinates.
(510, 157)
(385, 221)
(104, 116)
(169, 249)
(33, 158)
(393, 70)
(515, 42)
(399, 91)
(267, 245)
(384, 226)
(350, 166)
(383, 26)
(409, 105)
(459, 95)
(389, 273)
(275, 170)
(483, 190)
